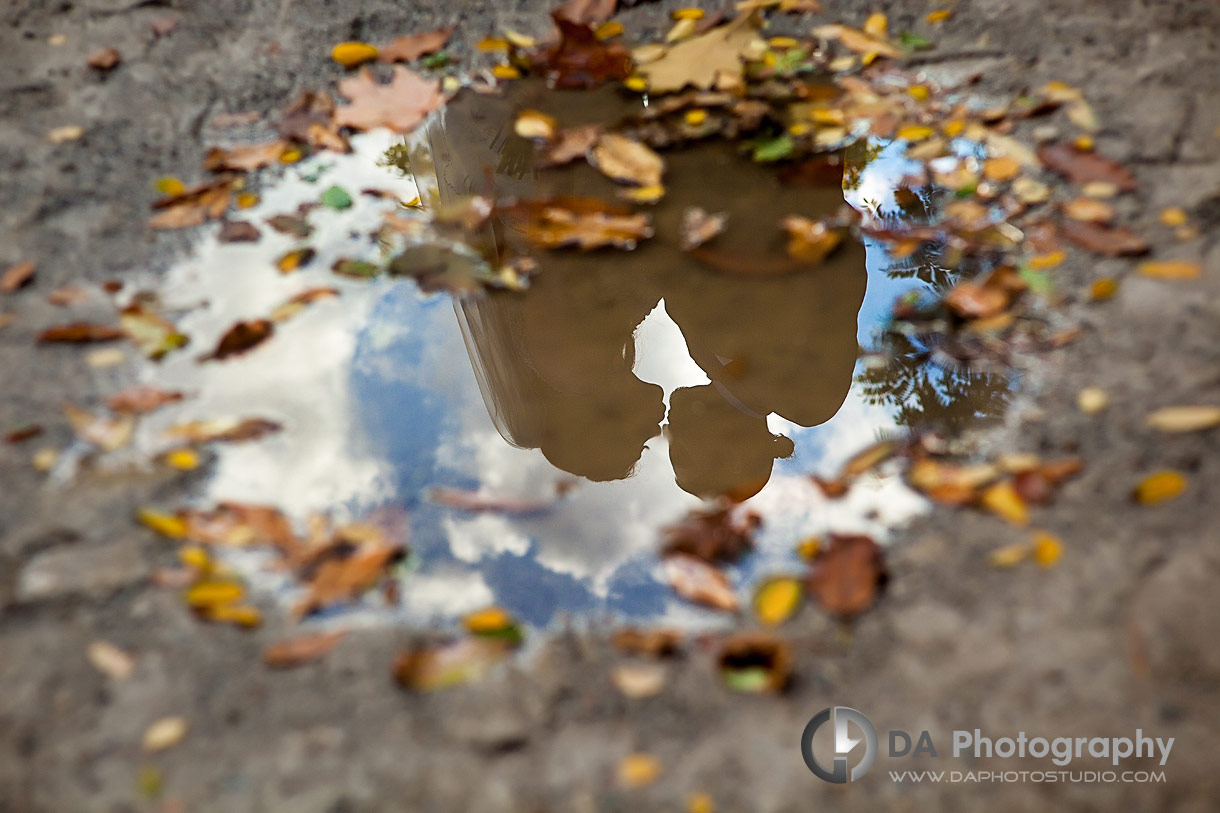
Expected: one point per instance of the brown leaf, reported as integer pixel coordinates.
(1089, 209)
(721, 534)
(223, 430)
(106, 433)
(858, 41)
(1111, 242)
(580, 59)
(193, 206)
(240, 524)
(413, 46)
(23, 434)
(654, 642)
(245, 158)
(755, 662)
(310, 120)
(345, 573)
(401, 105)
(971, 300)
(698, 226)
(810, 241)
(583, 223)
(1085, 166)
(142, 400)
(695, 580)
(16, 276)
(238, 231)
(627, 160)
(292, 225)
(848, 576)
(152, 333)
(571, 144)
(301, 650)
(67, 295)
(300, 301)
(81, 332)
(240, 338)
(705, 60)
(948, 483)
(105, 59)
(586, 11)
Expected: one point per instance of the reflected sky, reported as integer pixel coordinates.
(385, 393)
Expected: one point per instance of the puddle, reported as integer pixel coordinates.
(601, 404)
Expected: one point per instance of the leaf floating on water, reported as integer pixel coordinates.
(533, 124)
(1160, 487)
(336, 197)
(238, 231)
(153, 334)
(577, 223)
(244, 158)
(401, 105)
(1177, 419)
(627, 160)
(695, 580)
(413, 46)
(356, 269)
(428, 668)
(240, 338)
(777, 600)
(1009, 555)
(300, 302)
(720, 534)
(223, 430)
(698, 226)
(141, 400)
(1110, 242)
(302, 649)
(580, 59)
(972, 300)
(194, 206)
(848, 575)
(16, 276)
(464, 500)
(211, 592)
(810, 241)
(292, 225)
(357, 559)
(295, 260)
(80, 333)
(1085, 166)
(1089, 209)
(494, 622)
(1092, 400)
(108, 434)
(570, 144)
(755, 662)
(1171, 269)
(707, 60)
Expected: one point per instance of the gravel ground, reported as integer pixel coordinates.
(1120, 635)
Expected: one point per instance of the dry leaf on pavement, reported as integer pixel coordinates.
(302, 649)
(413, 46)
(705, 60)
(400, 105)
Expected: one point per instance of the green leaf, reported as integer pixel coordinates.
(355, 268)
(774, 149)
(913, 42)
(1039, 281)
(751, 680)
(438, 60)
(336, 198)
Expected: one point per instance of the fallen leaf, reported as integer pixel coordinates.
(754, 662)
(638, 770)
(211, 592)
(1009, 555)
(717, 534)
(848, 575)
(336, 197)
(586, 11)
(80, 333)
(627, 160)
(223, 430)
(638, 680)
(413, 46)
(479, 501)
(1111, 242)
(165, 733)
(810, 241)
(1047, 549)
(948, 483)
(345, 572)
(695, 580)
(238, 231)
(24, 433)
(292, 225)
(493, 622)
(1085, 166)
(68, 132)
(141, 400)
(972, 300)
(111, 661)
(108, 434)
(240, 338)
(299, 302)
(1088, 209)
(67, 295)
(654, 642)
(579, 59)
(295, 260)
(1092, 400)
(573, 222)
(777, 600)
(401, 105)
(698, 226)
(229, 523)
(859, 41)
(193, 206)
(310, 120)
(151, 333)
(356, 269)
(571, 144)
(1003, 500)
(353, 54)
(302, 649)
(428, 668)
(246, 158)
(1176, 419)
(105, 59)
(705, 60)
(1171, 269)
(16, 276)
(1173, 216)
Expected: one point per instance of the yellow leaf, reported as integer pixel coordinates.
(683, 29)
(643, 194)
(533, 124)
(291, 156)
(1047, 549)
(240, 615)
(490, 619)
(182, 459)
(519, 40)
(1170, 269)
(939, 16)
(1092, 400)
(687, 14)
(172, 187)
(608, 30)
(505, 72)
(876, 25)
(195, 558)
(638, 770)
(914, 132)
(1184, 418)
(1000, 169)
(165, 524)
(1048, 260)
(1004, 501)
(351, 54)
(213, 593)
(492, 44)
(859, 41)
(1172, 216)
(247, 200)
(1103, 289)
(1009, 555)
(700, 803)
(636, 83)
(809, 548)
(777, 600)
(165, 733)
(695, 117)
(1160, 486)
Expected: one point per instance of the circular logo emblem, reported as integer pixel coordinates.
(842, 718)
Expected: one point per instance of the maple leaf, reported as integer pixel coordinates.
(413, 46)
(701, 61)
(580, 59)
(401, 105)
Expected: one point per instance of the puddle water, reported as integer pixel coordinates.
(601, 404)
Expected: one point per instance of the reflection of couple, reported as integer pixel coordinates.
(555, 364)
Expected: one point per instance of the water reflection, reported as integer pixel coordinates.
(647, 378)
